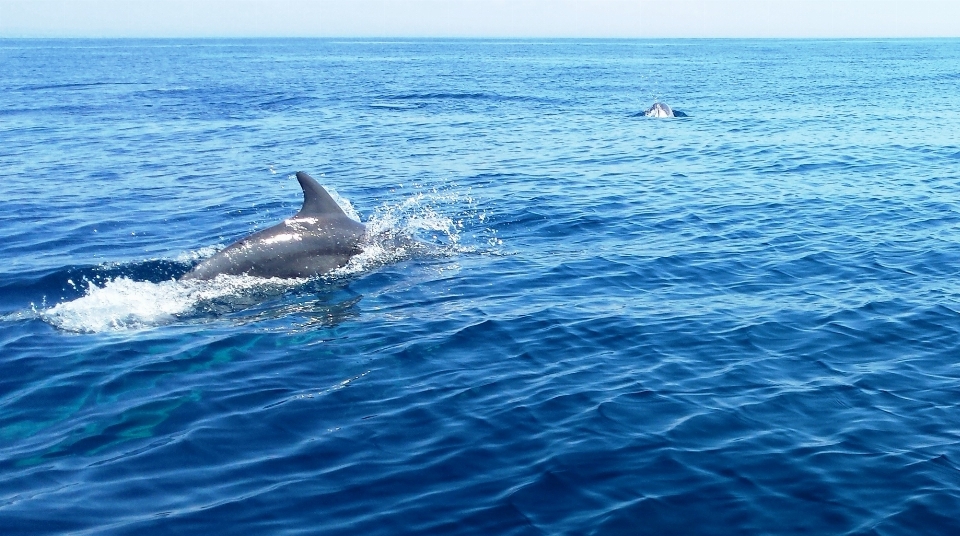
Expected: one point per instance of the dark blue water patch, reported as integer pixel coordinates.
(463, 96)
(395, 106)
(66, 110)
(211, 102)
(466, 100)
(87, 85)
(444, 96)
(286, 103)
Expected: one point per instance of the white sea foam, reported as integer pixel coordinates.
(122, 303)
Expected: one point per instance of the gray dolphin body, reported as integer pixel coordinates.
(318, 239)
(660, 109)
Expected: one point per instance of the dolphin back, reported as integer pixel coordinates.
(659, 109)
(318, 239)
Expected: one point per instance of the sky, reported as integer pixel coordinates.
(480, 18)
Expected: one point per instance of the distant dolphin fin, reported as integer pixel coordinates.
(316, 200)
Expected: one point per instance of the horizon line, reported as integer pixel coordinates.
(487, 38)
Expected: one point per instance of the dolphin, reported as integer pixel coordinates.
(660, 109)
(318, 239)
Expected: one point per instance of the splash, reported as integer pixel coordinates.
(198, 254)
(420, 225)
(123, 304)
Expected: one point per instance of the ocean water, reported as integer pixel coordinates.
(744, 321)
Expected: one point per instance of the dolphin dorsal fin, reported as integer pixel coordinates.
(316, 200)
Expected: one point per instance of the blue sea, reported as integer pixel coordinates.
(742, 321)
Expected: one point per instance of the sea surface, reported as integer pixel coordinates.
(744, 321)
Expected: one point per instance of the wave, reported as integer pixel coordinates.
(394, 105)
(75, 85)
(285, 103)
(447, 96)
(478, 95)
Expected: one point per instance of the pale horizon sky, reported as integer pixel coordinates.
(480, 18)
